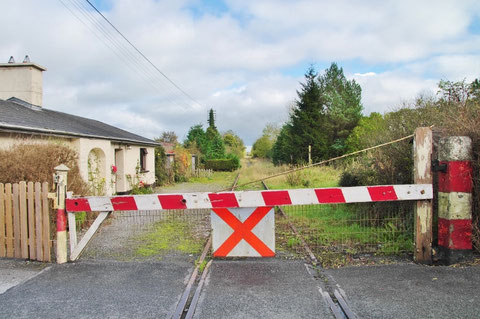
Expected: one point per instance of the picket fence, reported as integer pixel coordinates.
(25, 221)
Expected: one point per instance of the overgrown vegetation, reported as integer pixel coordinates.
(36, 162)
(169, 236)
(455, 111)
(210, 145)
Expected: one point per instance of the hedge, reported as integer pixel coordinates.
(224, 164)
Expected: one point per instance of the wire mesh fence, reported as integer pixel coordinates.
(349, 229)
(329, 230)
(147, 235)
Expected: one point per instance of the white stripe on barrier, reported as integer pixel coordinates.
(356, 195)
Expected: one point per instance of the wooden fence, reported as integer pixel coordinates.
(25, 221)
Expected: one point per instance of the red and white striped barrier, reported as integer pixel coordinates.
(252, 198)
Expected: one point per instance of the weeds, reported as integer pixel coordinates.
(168, 236)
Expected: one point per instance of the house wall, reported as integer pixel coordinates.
(96, 158)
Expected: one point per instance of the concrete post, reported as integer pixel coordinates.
(61, 181)
(455, 198)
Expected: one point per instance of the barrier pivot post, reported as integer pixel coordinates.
(455, 198)
(61, 182)
(422, 158)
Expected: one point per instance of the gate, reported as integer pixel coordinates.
(240, 227)
(221, 203)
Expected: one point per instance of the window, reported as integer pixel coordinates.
(143, 159)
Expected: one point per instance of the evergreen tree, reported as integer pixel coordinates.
(211, 119)
(282, 152)
(307, 121)
(341, 100)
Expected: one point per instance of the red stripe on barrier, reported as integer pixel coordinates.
(172, 201)
(458, 177)
(223, 200)
(455, 233)
(330, 195)
(124, 203)
(276, 198)
(382, 193)
(61, 220)
(243, 231)
(77, 205)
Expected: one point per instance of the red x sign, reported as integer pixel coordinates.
(242, 231)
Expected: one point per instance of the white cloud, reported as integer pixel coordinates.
(233, 61)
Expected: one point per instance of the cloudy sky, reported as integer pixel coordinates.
(244, 58)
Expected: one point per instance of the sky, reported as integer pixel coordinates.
(243, 58)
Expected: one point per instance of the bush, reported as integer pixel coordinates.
(225, 164)
(182, 164)
(162, 175)
(36, 163)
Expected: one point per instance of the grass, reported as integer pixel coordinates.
(222, 178)
(346, 230)
(168, 236)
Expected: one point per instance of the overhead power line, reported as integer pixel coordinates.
(121, 46)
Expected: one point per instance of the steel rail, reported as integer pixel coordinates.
(188, 303)
(334, 299)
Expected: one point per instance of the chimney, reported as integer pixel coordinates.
(21, 80)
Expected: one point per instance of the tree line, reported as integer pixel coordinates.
(212, 150)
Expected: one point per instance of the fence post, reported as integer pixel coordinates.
(455, 198)
(61, 181)
(422, 158)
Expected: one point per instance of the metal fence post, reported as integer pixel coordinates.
(61, 181)
(422, 158)
(455, 198)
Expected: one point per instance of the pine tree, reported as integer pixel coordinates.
(211, 119)
(307, 120)
(341, 100)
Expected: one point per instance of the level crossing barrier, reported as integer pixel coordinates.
(241, 218)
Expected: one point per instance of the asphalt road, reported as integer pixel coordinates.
(261, 288)
(249, 288)
(99, 290)
(411, 291)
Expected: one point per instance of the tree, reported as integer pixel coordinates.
(341, 99)
(263, 146)
(234, 144)
(211, 119)
(168, 137)
(365, 134)
(215, 147)
(196, 138)
(282, 151)
(209, 142)
(308, 120)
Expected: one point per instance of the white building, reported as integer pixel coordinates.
(99, 146)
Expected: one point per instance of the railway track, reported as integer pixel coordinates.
(188, 302)
(333, 296)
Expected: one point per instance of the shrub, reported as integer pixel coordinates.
(162, 175)
(182, 164)
(224, 164)
(36, 163)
